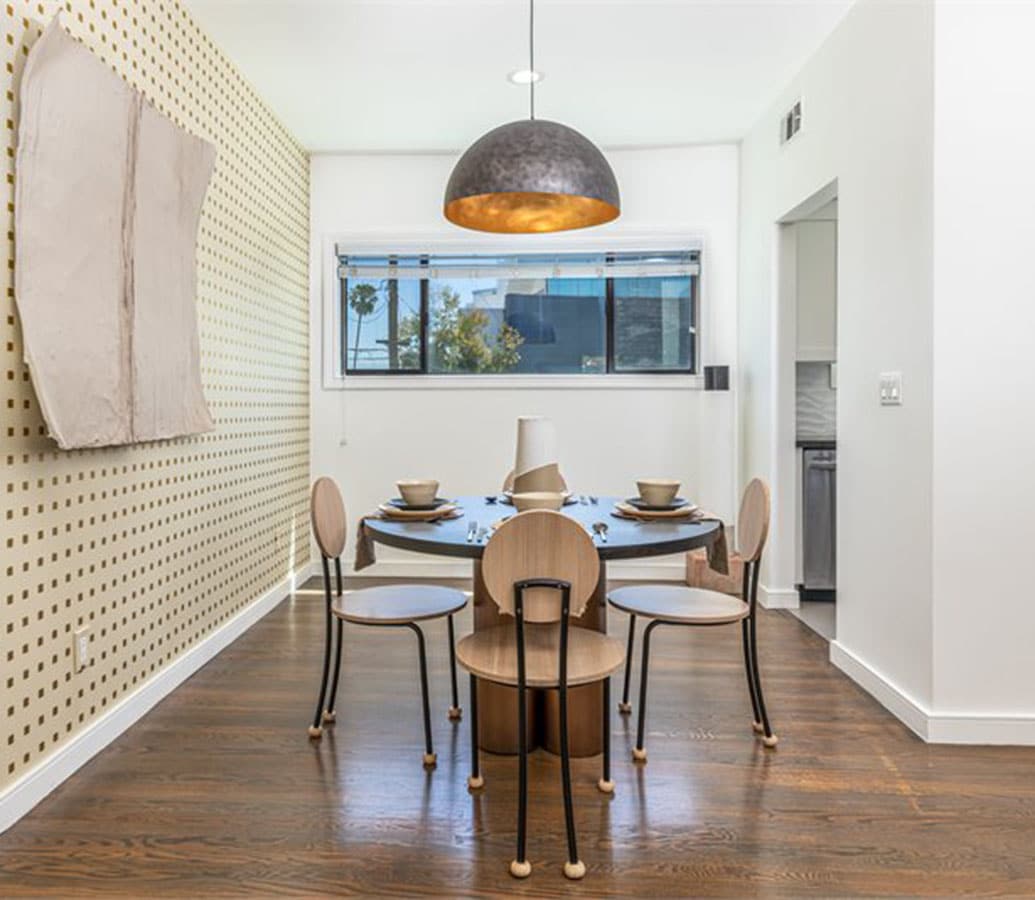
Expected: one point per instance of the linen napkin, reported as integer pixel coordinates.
(718, 550)
(365, 554)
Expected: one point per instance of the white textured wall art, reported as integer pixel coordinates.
(107, 205)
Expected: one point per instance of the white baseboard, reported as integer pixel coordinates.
(20, 797)
(778, 598)
(882, 689)
(933, 726)
(631, 569)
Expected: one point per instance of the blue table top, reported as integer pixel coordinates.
(626, 538)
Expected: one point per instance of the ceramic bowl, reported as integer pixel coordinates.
(418, 491)
(538, 500)
(657, 491)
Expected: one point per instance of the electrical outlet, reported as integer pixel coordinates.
(890, 388)
(82, 648)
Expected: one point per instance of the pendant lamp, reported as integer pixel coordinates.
(532, 175)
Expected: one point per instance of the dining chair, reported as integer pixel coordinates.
(541, 568)
(391, 606)
(678, 605)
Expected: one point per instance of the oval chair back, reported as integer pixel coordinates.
(327, 513)
(753, 521)
(541, 544)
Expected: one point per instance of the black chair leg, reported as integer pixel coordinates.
(769, 739)
(429, 754)
(315, 730)
(605, 783)
(521, 867)
(573, 868)
(625, 707)
(474, 780)
(329, 713)
(454, 711)
(639, 751)
(756, 722)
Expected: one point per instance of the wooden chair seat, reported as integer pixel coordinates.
(397, 604)
(675, 603)
(492, 654)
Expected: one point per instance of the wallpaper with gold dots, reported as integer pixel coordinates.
(153, 547)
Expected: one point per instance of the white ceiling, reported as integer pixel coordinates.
(410, 75)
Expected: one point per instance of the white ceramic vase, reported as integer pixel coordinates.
(535, 465)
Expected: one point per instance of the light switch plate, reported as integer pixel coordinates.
(890, 388)
(81, 648)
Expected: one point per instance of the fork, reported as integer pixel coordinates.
(472, 530)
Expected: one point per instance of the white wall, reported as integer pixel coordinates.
(465, 437)
(868, 111)
(984, 617)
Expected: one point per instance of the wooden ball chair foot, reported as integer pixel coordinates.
(771, 741)
(605, 787)
(575, 870)
(315, 732)
(521, 869)
(475, 782)
(639, 754)
(430, 760)
(455, 714)
(625, 708)
(329, 716)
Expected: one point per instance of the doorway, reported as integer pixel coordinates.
(807, 405)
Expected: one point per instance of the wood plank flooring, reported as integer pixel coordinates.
(218, 792)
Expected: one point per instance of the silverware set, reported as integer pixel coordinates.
(476, 533)
(587, 500)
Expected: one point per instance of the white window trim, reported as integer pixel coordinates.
(435, 242)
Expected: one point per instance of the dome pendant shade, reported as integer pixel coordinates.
(532, 176)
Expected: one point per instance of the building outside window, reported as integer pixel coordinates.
(565, 314)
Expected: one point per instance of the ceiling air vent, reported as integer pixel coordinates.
(790, 123)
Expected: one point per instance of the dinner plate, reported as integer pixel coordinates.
(399, 503)
(637, 503)
(508, 498)
(625, 510)
(449, 511)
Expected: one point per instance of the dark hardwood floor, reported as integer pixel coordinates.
(219, 792)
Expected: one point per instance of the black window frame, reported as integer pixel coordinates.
(609, 325)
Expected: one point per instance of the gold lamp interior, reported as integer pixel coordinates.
(528, 212)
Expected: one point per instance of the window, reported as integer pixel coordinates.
(533, 314)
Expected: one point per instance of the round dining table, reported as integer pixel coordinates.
(624, 539)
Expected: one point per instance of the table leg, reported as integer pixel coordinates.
(497, 704)
(585, 737)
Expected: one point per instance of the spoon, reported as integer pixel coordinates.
(600, 529)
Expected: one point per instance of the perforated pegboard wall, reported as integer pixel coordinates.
(155, 546)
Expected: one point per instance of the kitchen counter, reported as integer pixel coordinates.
(816, 443)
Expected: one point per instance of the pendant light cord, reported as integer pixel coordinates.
(531, 59)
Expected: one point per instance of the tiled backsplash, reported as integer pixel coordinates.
(816, 401)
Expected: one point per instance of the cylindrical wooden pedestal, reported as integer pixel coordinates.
(497, 704)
